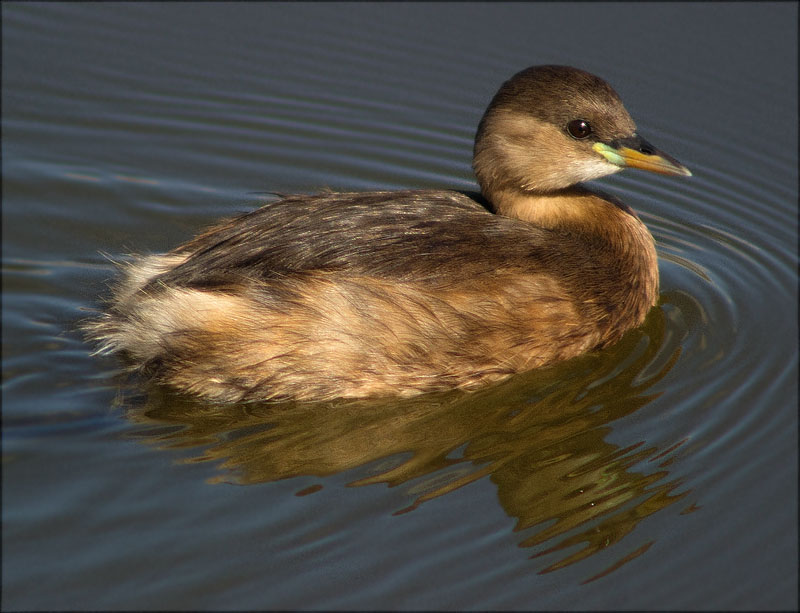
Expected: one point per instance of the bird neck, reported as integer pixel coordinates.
(575, 209)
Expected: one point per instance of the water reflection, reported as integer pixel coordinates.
(541, 438)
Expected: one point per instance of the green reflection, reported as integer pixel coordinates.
(541, 438)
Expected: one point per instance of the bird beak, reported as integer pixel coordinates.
(635, 152)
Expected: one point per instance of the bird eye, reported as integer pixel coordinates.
(579, 128)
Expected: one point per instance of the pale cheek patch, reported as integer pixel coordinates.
(586, 170)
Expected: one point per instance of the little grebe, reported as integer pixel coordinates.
(396, 293)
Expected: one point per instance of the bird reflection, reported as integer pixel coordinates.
(542, 438)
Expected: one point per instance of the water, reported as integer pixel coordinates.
(661, 473)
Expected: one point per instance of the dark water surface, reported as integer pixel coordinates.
(661, 473)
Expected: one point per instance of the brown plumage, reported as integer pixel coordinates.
(397, 293)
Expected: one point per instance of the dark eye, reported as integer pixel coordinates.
(579, 128)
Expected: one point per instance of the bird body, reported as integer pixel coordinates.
(398, 293)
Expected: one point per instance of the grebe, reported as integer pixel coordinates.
(354, 295)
